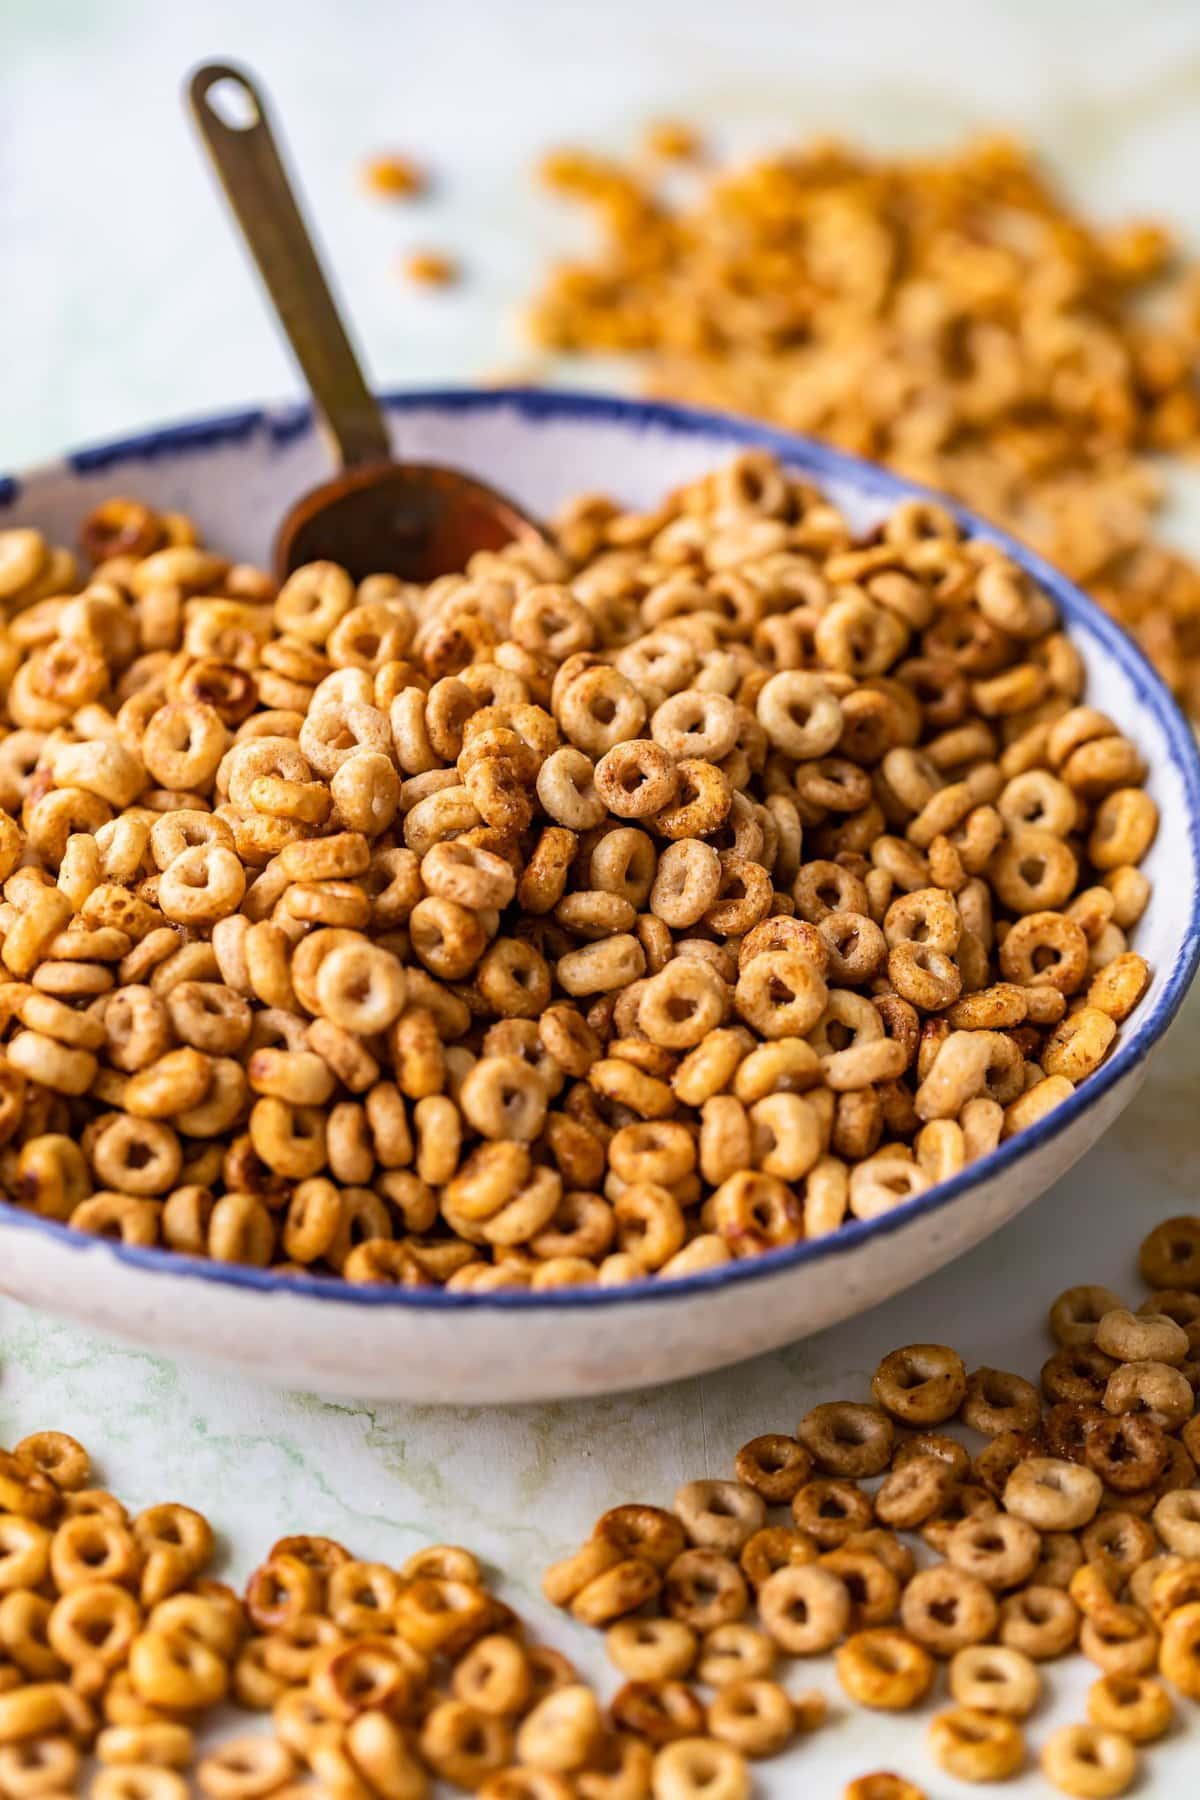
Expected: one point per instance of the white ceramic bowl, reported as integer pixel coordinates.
(237, 474)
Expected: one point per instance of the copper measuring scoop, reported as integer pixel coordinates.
(415, 520)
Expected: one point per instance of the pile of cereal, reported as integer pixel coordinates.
(379, 1681)
(1075, 1528)
(951, 316)
(659, 894)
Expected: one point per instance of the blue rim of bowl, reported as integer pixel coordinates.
(282, 425)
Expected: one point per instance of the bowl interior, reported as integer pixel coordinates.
(236, 475)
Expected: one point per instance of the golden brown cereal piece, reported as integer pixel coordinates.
(393, 177)
(997, 1401)
(755, 1715)
(673, 139)
(1170, 1255)
(995, 1678)
(659, 1711)
(776, 1467)
(922, 1384)
(1088, 1760)
(1041, 1621)
(805, 1609)
(430, 268)
(651, 1649)
(846, 1439)
(946, 1609)
(976, 1746)
(695, 1766)
(885, 1669)
(1077, 1312)
(1134, 1706)
(734, 1652)
(830, 1510)
(883, 1784)
(705, 1589)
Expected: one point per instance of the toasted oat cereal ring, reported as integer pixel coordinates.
(705, 1589)
(1135, 1706)
(699, 1768)
(460, 1744)
(1045, 949)
(139, 1781)
(1179, 1655)
(883, 1784)
(1162, 1393)
(39, 1765)
(648, 1532)
(780, 994)
(1041, 1621)
(245, 1768)
(805, 1609)
(1088, 1761)
(660, 1711)
(1051, 1494)
(176, 1670)
(753, 1714)
(1170, 1255)
(618, 1590)
(775, 1547)
(734, 1652)
(995, 1678)
(562, 1732)
(494, 1676)
(652, 1649)
(1129, 1453)
(976, 1746)
(998, 1401)
(873, 1587)
(829, 1509)
(1077, 1312)
(915, 1491)
(774, 1466)
(885, 1669)
(922, 1384)
(847, 1439)
(57, 1455)
(946, 1609)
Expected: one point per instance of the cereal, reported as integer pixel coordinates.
(655, 898)
(430, 268)
(1088, 1760)
(343, 1654)
(771, 322)
(885, 1669)
(1065, 1557)
(393, 177)
(995, 1678)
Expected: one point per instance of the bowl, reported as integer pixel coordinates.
(236, 474)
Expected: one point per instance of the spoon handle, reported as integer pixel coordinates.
(234, 125)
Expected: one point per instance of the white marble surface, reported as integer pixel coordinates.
(124, 299)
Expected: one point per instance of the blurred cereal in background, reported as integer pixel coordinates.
(951, 316)
(394, 177)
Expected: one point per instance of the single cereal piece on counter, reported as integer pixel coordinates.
(883, 1785)
(429, 268)
(659, 895)
(390, 176)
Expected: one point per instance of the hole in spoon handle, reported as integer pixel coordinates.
(234, 125)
